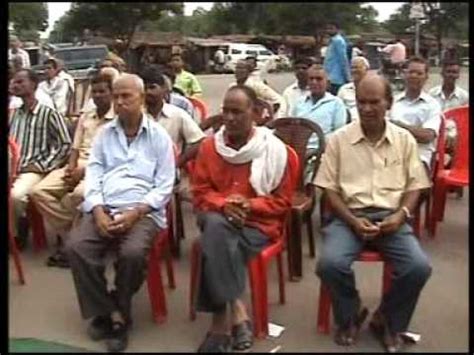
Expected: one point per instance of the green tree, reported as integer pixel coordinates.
(28, 18)
(116, 19)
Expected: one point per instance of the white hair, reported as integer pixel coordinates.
(112, 72)
(362, 59)
(136, 80)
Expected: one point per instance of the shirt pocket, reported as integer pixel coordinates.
(143, 169)
(392, 176)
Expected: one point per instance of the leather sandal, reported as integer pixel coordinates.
(242, 335)
(347, 336)
(392, 342)
(216, 343)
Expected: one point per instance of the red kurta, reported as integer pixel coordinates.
(214, 179)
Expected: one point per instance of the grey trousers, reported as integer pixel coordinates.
(226, 250)
(410, 265)
(87, 250)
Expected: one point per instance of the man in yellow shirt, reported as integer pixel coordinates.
(372, 177)
(185, 81)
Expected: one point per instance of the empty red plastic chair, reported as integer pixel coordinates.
(257, 268)
(458, 174)
(13, 166)
(200, 106)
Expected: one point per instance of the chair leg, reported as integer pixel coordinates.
(289, 251)
(155, 288)
(439, 200)
(179, 224)
(387, 278)
(169, 264)
(37, 224)
(195, 256)
(258, 286)
(296, 248)
(281, 278)
(324, 309)
(309, 226)
(16, 257)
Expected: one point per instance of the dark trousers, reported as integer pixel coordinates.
(87, 251)
(226, 249)
(410, 265)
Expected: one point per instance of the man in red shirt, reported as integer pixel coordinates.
(242, 189)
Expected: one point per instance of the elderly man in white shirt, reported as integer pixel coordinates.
(448, 94)
(299, 89)
(359, 67)
(417, 111)
(16, 50)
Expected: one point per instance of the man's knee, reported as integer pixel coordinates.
(132, 253)
(420, 270)
(37, 193)
(328, 267)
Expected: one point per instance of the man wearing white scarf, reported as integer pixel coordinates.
(242, 189)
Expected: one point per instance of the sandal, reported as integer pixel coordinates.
(58, 259)
(392, 342)
(216, 343)
(347, 336)
(242, 335)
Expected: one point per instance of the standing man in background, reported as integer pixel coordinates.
(15, 49)
(336, 63)
(185, 80)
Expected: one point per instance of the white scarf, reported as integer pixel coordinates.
(267, 153)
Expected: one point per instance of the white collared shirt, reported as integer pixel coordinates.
(459, 97)
(423, 112)
(292, 94)
(347, 93)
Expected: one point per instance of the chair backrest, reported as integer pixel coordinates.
(200, 106)
(460, 116)
(294, 166)
(296, 132)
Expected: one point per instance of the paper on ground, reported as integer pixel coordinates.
(275, 330)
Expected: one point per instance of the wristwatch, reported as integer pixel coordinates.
(407, 212)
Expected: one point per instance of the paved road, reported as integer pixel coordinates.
(215, 86)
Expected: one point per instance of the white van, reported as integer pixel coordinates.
(266, 59)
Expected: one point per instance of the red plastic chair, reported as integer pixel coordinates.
(200, 106)
(160, 251)
(14, 151)
(458, 174)
(257, 268)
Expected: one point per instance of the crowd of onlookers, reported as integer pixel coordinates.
(103, 180)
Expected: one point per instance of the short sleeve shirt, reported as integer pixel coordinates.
(371, 175)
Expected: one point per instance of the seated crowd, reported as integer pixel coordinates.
(103, 183)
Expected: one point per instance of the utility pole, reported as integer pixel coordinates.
(417, 13)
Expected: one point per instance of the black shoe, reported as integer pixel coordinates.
(118, 339)
(58, 259)
(100, 328)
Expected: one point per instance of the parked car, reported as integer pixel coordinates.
(78, 60)
(266, 59)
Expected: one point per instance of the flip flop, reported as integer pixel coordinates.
(348, 336)
(242, 335)
(216, 343)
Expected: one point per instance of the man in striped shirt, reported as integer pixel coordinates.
(43, 137)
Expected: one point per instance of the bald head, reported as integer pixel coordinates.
(374, 98)
(132, 81)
